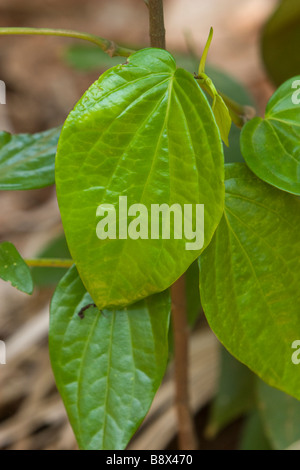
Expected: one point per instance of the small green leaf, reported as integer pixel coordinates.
(280, 414)
(231, 88)
(223, 118)
(27, 160)
(250, 277)
(219, 108)
(281, 42)
(142, 131)
(234, 90)
(271, 146)
(107, 365)
(235, 394)
(14, 269)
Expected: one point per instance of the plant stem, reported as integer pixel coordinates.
(156, 24)
(106, 45)
(187, 435)
(50, 262)
(186, 432)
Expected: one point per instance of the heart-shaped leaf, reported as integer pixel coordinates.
(107, 365)
(144, 131)
(271, 146)
(250, 277)
(14, 269)
(27, 160)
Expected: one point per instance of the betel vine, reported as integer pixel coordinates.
(152, 132)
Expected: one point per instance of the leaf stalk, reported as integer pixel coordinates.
(108, 46)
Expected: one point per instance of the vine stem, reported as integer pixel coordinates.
(110, 47)
(156, 24)
(187, 434)
(49, 262)
(186, 431)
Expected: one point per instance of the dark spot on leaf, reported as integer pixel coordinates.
(86, 307)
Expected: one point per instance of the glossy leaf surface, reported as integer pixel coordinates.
(144, 131)
(107, 365)
(14, 269)
(27, 160)
(250, 276)
(271, 146)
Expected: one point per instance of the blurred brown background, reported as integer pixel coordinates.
(41, 89)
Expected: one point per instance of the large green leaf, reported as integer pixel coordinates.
(27, 160)
(271, 146)
(14, 269)
(144, 130)
(89, 57)
(281, 42)
(250, 277)
(280, 414)
(107, 365)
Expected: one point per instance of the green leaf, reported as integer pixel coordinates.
(235, 394)
(43, 276)
(145, 131)
(86, 57)
(250, 277)
(234, 90)
(231, 88)
(280, 415)
(107, 365)
(253, 434)
(27, 160)
(220, 110)
(14, 269)
(281, 42)
(222, 116)
(271, 146)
